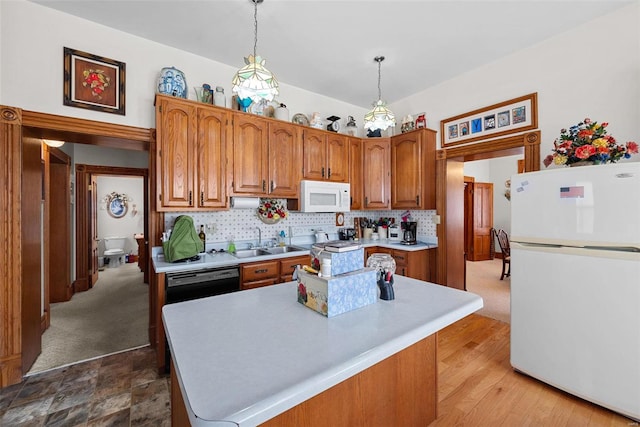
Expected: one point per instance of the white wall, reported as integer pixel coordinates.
(132, 222)
(31, 58)
(589, 71)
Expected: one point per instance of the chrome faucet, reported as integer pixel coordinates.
(259, 237)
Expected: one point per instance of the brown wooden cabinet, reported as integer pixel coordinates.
(266, 157)
(287, 265)
(356, 173)
(376, 176)
(191, 155)
(266, 273)
(257, 274)
(413, 170)
(414, 264)
(250, 155)
(325, 156)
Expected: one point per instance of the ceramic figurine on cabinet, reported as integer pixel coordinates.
(407, 124)
(316, 121)
(351, 127)
(172, 82)
(421, 122)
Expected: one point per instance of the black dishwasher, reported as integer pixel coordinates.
(190, 285)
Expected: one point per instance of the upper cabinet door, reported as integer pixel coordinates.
(250, 155)
(413, 170)
(212, 140)
(376, 173)
(355, 173)
(406, 171)
(285, 159)
(175, 157)
(315, 154)
(337, 158)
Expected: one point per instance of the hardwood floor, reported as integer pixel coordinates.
(478, 387)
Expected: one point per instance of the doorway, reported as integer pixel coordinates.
(450, 196)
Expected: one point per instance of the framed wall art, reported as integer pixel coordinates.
(515, 115)
(93, 82)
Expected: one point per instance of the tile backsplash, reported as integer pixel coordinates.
(242, 224)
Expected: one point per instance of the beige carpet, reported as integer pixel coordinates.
(483, 278)
(112, 316)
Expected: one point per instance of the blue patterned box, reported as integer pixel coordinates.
(335, 295)
(341, 262)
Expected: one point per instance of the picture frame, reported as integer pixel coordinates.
(93, 82)
(511, 116)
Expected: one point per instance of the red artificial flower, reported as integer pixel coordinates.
(585, 133)
(585, 151)
(632, 147)
(604, 124)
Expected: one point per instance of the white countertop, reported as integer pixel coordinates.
(209, 260)
(245, 357)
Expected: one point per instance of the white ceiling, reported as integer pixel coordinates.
(328, 46)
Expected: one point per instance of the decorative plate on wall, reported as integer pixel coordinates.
(117, 205)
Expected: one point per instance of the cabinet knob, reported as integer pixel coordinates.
(366, 201)
(264, 185)
(418, 199)
(329, 173)
(272, 186)
(262, 270)
(323, 171)
(190, 198)
(201, 198)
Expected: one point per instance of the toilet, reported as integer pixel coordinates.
(114, 250)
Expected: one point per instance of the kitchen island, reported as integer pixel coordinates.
(259, 356)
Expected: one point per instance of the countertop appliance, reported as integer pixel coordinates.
(347, 233)
(325, 196)
(395, 233)
(575, 284)
(409, 232)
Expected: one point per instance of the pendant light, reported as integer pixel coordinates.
(254, 80)
(380, 117)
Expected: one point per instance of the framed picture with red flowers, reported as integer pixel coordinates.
(94, 82)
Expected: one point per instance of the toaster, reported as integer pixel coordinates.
(395, 233)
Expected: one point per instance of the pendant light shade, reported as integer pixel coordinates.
(380, 117)
(254, 80)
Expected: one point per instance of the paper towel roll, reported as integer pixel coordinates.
(245, 202)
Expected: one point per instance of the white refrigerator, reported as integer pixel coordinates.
(575, 281)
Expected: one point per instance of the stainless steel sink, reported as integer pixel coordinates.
(283, 249)
(248, 253)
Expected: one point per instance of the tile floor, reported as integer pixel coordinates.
(123, 389)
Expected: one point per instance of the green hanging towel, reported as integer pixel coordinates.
(184, 241)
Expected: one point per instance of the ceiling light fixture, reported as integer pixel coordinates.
(254, 80)
(53, 143)
(380, 117)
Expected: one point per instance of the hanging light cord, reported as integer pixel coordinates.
(379, 59)
(255, 26)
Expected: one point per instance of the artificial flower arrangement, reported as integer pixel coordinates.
(271, 210)
(588, 142)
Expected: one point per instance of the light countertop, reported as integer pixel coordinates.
(247, 356)
(215, 260)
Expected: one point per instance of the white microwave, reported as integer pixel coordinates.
(323, 196)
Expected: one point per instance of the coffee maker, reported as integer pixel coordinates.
(409, 230)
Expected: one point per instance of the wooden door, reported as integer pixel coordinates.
(337, 158)
(376, 173)
(30, 245)
(407, 180)
(482, 222)
(285, 159)
(60, 286)
(176, 131)
(250, 155)
(93, 235)
(314, 152)
(355, 173)
(211, 158)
